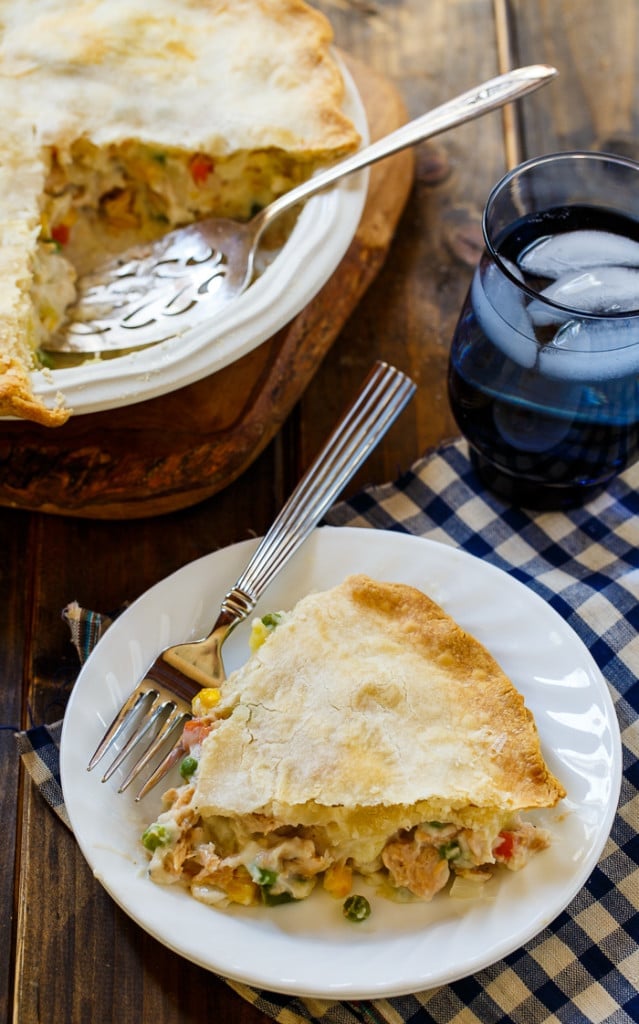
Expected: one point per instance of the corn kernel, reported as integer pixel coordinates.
(241, 888)
(206, 699)
(258, 635)
(338, 879)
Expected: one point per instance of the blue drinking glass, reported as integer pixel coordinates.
(543, 376)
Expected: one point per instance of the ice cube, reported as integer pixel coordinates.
(553, 255)
(601, 290)
(513, 269)
(592, 350)
(499, 307)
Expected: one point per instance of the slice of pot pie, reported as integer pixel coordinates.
(137, 116)
(368, 734)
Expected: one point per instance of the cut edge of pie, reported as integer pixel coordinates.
(219, 109)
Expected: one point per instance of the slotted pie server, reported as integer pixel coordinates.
(158, 290)
(154, 715)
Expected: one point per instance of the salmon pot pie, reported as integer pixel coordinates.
(367, 735)
(126, 118)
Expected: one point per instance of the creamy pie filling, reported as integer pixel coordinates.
(265, 858)
(135, 192)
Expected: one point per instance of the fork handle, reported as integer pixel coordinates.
(490, 95)
(383, 395)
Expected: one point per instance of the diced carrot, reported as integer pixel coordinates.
(503, 850)
(200, 166)
(194, 732)
(60, 233)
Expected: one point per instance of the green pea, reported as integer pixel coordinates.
(188, 766)
(155, 835)
(272, 619)
(356, 908)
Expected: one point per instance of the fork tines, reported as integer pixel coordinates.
(149, 720)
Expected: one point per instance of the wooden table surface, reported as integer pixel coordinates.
(68, 953)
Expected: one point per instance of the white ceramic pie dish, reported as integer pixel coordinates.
(321, 236)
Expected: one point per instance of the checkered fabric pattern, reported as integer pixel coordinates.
(584, 967)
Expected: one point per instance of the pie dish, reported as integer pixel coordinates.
(136, 116)
(307, 948)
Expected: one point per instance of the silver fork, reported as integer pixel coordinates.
(154, 715)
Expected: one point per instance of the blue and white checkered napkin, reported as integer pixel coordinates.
(584, 967)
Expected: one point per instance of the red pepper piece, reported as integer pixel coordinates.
(200, 166)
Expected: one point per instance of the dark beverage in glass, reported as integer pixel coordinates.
(544, 364)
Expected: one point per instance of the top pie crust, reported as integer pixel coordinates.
(370, 697)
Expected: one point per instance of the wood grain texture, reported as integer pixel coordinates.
(163, 454)
(15, 601)
(596, 97)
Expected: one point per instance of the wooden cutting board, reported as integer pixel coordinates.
(170, 452)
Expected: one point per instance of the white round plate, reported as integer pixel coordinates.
(323, 232)
(308, 948)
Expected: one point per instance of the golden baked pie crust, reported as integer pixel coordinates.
(369, 696)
